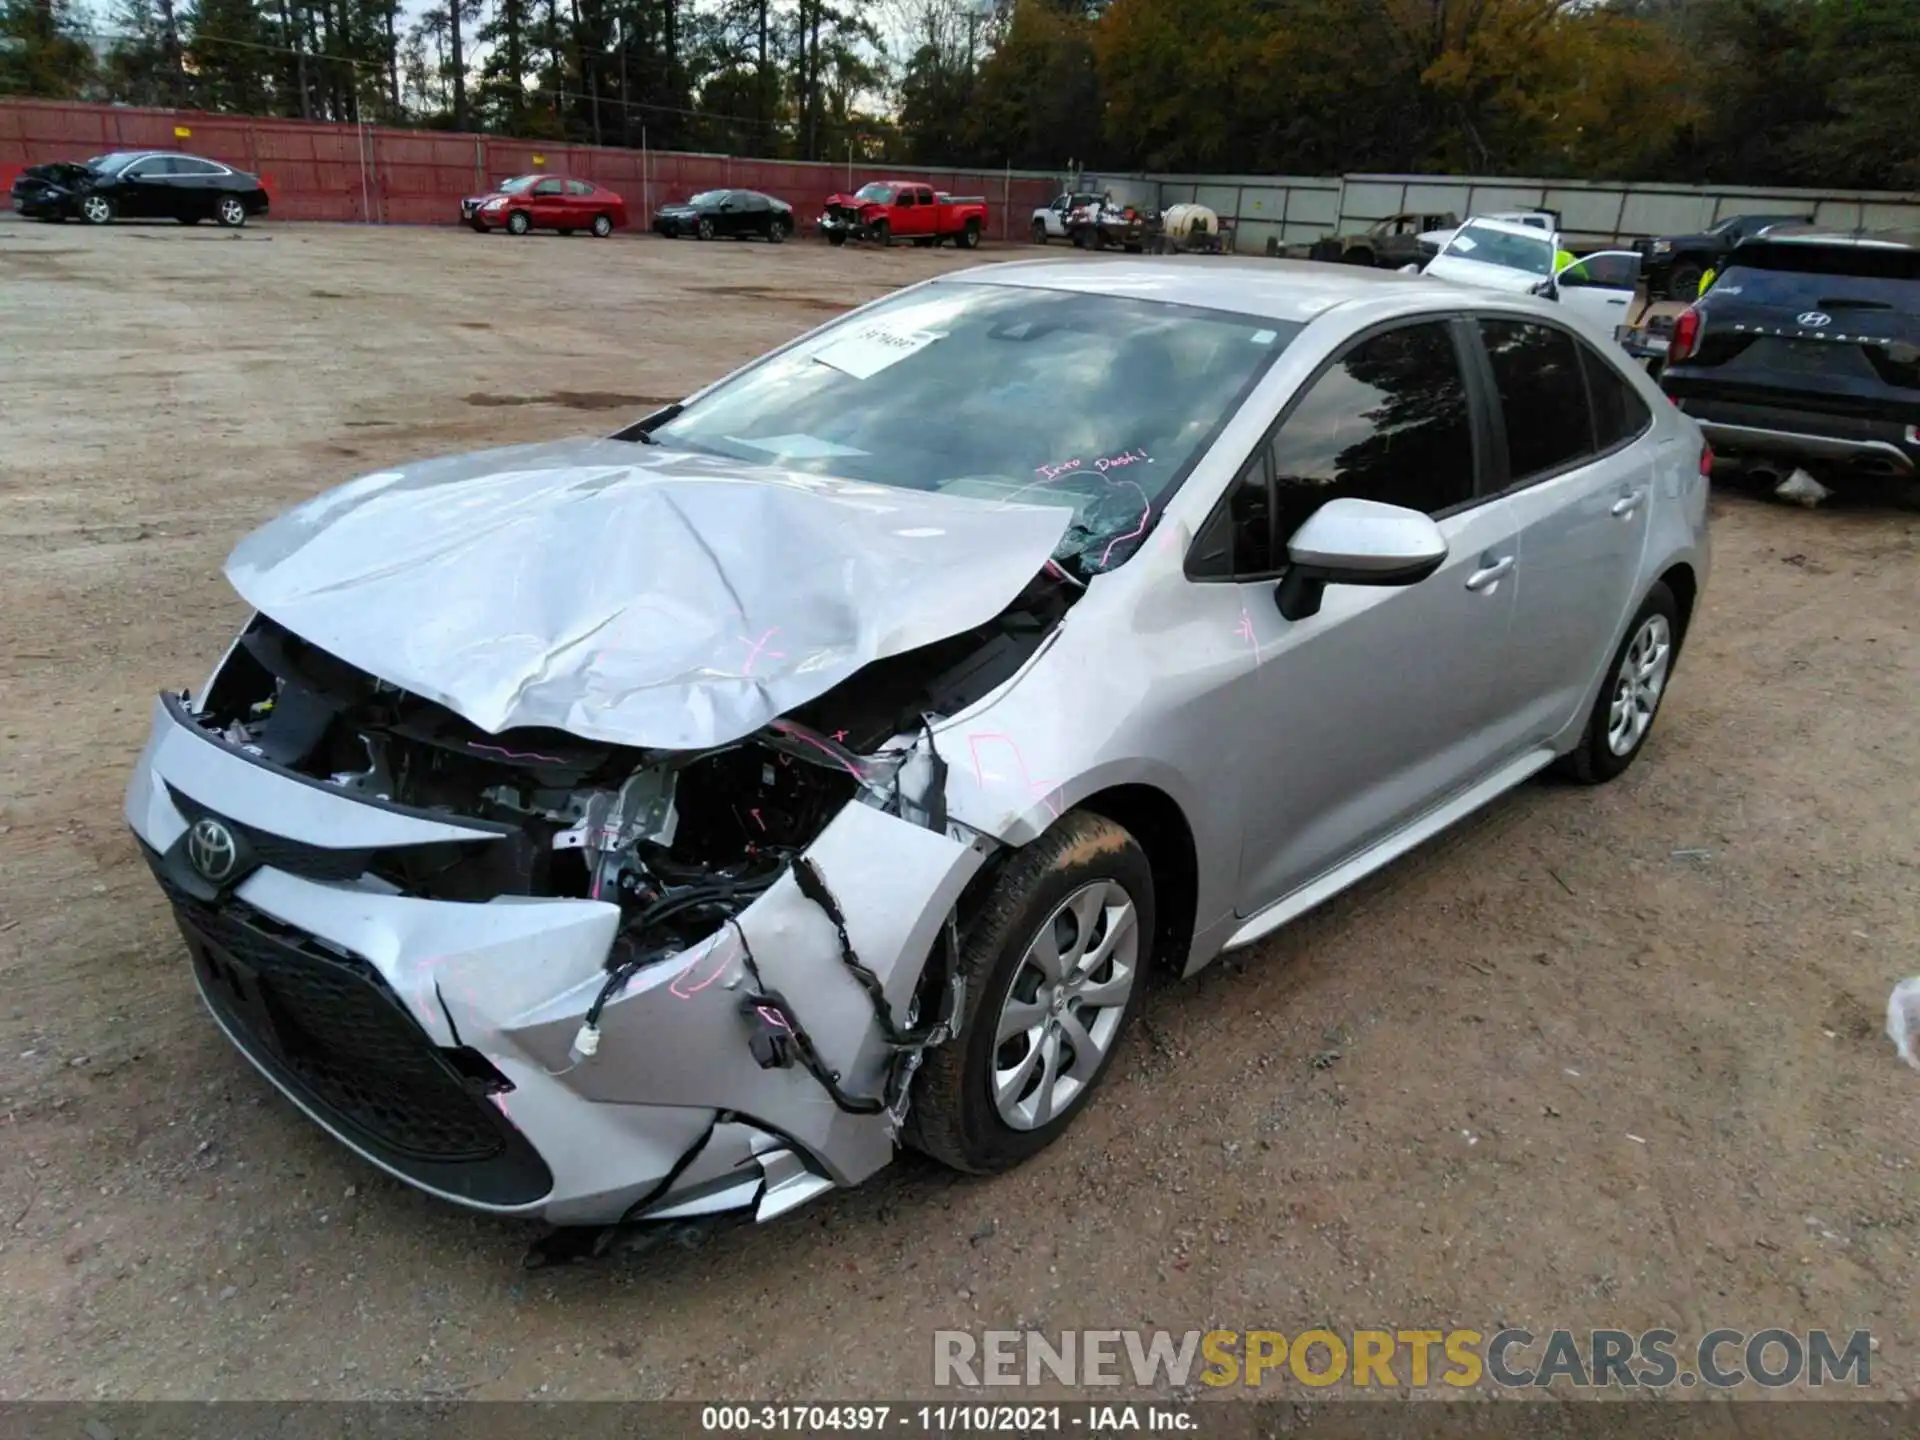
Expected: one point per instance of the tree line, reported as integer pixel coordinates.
(1764, 92)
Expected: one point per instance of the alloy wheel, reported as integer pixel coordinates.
(1638, 685)
(1062, 1012)
(232, 212)
(96, 210)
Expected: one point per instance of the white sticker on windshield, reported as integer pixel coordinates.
(1265, 337)
(872, 348)
(1463, 243)
(797, 447)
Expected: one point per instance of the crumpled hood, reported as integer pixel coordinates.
(631, 594)
(63, 173)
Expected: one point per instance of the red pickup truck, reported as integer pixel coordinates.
(889, 210)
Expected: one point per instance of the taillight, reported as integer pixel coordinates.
(1706, 461)
(1686, 335)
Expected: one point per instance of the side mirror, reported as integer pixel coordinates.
(1357, 542)
(1548, 289)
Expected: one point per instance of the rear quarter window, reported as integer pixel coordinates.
(1809, 275)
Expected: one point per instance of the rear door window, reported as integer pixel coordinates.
(1619, 414)
(1543, 396)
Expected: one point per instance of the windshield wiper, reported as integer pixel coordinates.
(641, 431)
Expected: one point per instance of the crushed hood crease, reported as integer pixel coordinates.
(632, 595)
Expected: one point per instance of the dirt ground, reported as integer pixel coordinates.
(1600, 1058)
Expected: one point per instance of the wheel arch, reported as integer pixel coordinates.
(1685, 586)
(1157, 823)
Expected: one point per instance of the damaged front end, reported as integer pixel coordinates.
(540, 974)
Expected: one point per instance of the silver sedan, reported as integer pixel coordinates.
(642, 827)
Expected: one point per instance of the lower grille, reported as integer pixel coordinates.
(326, 1027)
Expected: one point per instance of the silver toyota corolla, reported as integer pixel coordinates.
(645, 827)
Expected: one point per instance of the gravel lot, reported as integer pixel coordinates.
(1601, 1058)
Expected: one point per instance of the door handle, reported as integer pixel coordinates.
(1628, 503)
(1488, 575)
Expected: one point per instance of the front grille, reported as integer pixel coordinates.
(328, 1029)
(312, 862)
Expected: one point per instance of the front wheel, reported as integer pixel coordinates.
(882, 233)
(602, 227)
(1055, 963)
(836, 237)
(1683, 281)
(519, 223)
(1039, 232)
(777, 232)
(97, 210)
(704, 229)
(1630, 696)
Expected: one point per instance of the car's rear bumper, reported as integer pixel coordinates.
(1742, 430)
(435, 1038)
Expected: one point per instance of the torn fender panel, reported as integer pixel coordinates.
(631, 594)
(675, 1035)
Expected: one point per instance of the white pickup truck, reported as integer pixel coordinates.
(1050, 221)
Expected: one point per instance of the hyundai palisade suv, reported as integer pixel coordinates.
(1807, 352)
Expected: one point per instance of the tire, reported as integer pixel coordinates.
(230, 211)
(1683, 280)
(969, 238)
(519, 223)
(1039, 232)
(704, 229)
(882, 233)
(836, 238)
(1623, 713)
(1357, 257)
(1085, 860)
(602, 227)
(776, 231)
(98, 210)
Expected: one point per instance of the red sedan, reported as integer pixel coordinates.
(545, 202)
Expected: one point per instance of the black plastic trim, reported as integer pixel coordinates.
(484, 829)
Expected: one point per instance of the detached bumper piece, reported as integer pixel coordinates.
(324, 1026)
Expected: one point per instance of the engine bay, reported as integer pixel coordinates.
(681, 841)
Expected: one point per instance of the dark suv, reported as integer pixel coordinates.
(1807, 351)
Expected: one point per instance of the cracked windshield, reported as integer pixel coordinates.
(1001, 393)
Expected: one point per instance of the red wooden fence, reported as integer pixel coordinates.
(317, 171)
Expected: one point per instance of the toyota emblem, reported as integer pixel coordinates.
(1815, 319)
(212, 849)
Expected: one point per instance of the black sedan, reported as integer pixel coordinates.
(715, 213)
(140, 185)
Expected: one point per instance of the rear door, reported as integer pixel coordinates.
(1576, 445)
(581, 205)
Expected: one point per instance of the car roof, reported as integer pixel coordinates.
(1296, 290)
(1826, 235)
